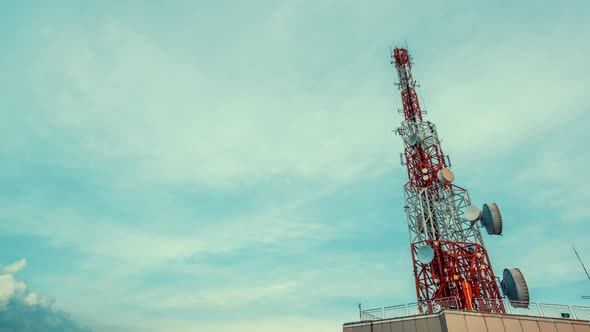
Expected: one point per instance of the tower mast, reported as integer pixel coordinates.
(451, 263)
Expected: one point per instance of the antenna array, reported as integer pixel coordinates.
(448, 252)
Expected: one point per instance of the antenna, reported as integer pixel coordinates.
(584, 297)
(360, 310)
(425, 254)
(445, 245)
(515, 288)
(588, 275)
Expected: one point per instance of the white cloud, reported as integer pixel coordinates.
(10, 288)
(175, 122)
(553, 176)
(25, 310)
(14, 267)
(169, 236)
(221, 298)
(170, 119)
(264, 324)
(33, 299)
(487, 101)
(348, 276)
(153, 245)
(268, 322)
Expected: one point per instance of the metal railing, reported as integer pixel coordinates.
(480, 305)
(411, 309)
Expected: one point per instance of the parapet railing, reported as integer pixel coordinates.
(480, 305)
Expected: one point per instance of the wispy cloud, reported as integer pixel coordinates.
(175, 122)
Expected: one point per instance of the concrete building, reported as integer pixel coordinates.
(469, 321)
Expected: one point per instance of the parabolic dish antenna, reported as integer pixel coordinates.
(425, 254)
(412, 139)
(515, 288)
(445, 175)
(472, 213)
(436, 308)
(420, 223)
(491, 219)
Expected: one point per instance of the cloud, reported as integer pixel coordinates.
(266, 323)
(152, 245)
(133, 114)
(22, 310)
(20, 317)
(175, 121)
(14, 267)
(503, 96)
(10, 288)
(128, 105)
(554, 175)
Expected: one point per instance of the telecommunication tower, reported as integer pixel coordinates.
(451, 263)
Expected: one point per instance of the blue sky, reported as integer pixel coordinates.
(226, 166)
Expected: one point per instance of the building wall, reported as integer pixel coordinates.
(461, 321)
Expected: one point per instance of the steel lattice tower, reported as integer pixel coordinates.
(457, 265)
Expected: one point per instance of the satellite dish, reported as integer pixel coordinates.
(412, 139)
(472, 213)
(515, 288)
(420, 223)
(436, 308)
(425, 254)
(491, 219)
(445, 175)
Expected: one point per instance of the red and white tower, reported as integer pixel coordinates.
(451, 263)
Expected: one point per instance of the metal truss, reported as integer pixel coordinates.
(460, 268)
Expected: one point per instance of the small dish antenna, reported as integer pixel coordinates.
(472, 213)
(425, 254)
(515, 288)
(445, 175)
(436, 308)
(491, 219)
(420, 223)
(412, 139)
